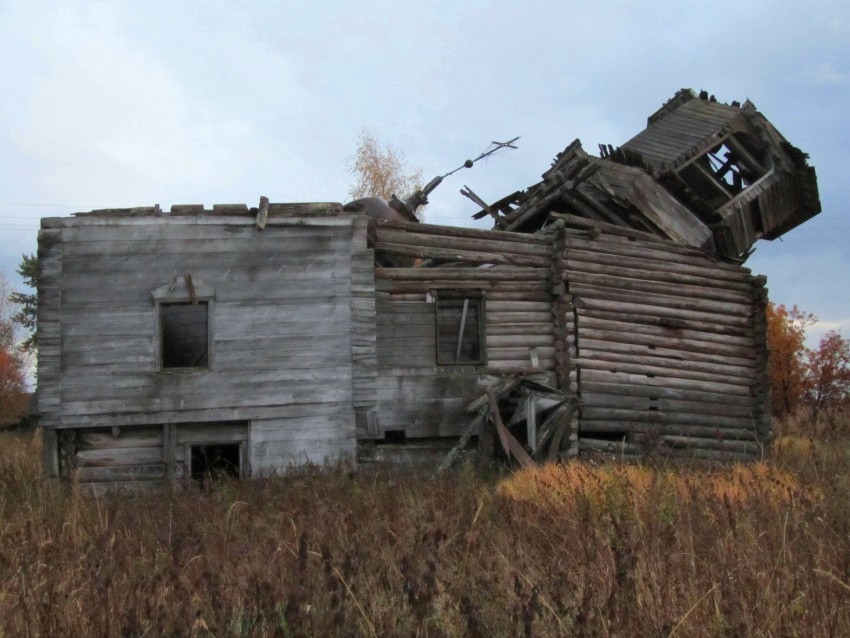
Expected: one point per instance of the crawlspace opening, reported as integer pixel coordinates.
(215, 461)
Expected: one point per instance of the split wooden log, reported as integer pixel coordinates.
(509, 444)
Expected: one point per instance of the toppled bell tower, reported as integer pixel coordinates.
(702, 173)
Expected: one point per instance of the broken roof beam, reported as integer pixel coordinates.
(467, 192)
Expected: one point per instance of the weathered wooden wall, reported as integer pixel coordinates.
(663, 346)
(281, 320)
(667, 347)
(417, 395)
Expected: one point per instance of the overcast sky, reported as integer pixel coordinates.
(138, 103)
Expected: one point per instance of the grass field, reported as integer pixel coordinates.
(650, 550)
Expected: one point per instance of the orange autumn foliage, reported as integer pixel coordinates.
(13, 396)
(818, 378)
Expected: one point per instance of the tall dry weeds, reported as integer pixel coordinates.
(575, 551)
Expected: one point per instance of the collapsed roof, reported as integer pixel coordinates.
(706, 174)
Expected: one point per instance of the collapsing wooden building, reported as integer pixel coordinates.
(606, 311)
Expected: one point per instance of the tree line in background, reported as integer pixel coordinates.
(800, 377)
(17, 342)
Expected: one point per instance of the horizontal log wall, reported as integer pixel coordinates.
(666, 347)
(129, 458)
(414, 393)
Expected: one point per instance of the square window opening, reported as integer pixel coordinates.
(460, 328)
(184, 329)
(215, 461)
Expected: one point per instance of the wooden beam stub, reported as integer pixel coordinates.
(263, 213)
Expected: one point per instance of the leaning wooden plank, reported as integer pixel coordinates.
(509, 443)
(501, 387)
(677, 221)
(560, 426)
(474, 427)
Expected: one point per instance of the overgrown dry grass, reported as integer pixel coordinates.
(760, 550)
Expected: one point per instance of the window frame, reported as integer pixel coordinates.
(476, 296)
(182, 290)
(160, 341)
(703, 165)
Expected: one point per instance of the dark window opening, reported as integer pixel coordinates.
(215, 461)
(460, 328)
(185, 335)
(724, 171)
(394, 436)
(728, 168)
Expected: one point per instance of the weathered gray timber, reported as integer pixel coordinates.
(606, 313)
(657, 343)
(287, 316)
(416, 393)
(704, 174)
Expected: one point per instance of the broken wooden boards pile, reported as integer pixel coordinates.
(540, 421)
